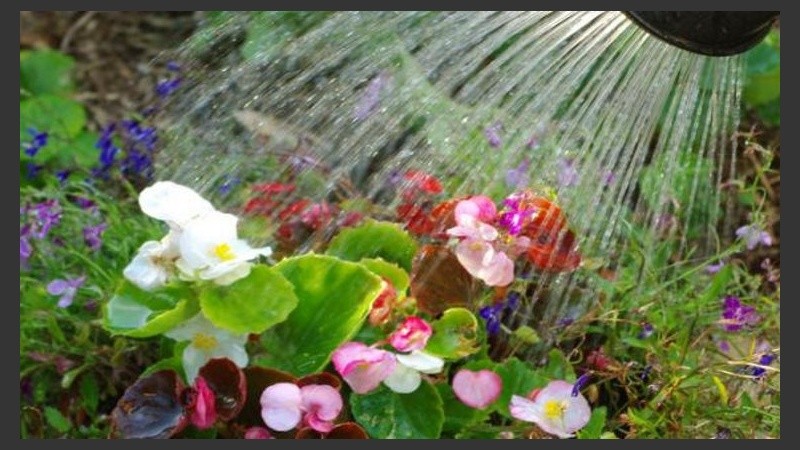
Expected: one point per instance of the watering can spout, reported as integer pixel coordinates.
(713, 33)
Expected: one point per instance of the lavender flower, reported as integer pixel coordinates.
(518, 176)
(765, 360)
(108, 152)
(92, 236)
(647, 331)
(84, 203)
(25, 249)
(580, 383)
(568, 173)
(39, 140)
(736, 315)
(492, 134)
(370, 100)
(62, 175)
(66, 289)
(32, 170)
(46, 215)
(513, 216)
(492, 314)
(754, 236)
(714, 268)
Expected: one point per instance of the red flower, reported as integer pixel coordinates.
(553, 245)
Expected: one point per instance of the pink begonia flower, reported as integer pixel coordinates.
(203, 411)
(412, 334)
(257, 433)
(362, 367)
(477, 389)
(483, 261)
(407, 375)
(285, 405)
(471, 216)
(554, 409)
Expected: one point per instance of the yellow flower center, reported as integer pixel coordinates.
(204, 341)
(224, 252)
(555, 409)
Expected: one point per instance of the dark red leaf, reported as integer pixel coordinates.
(229, 386)
(308, 433)
(439, 281)
(151, 408)
(347, 430)
(321, 378)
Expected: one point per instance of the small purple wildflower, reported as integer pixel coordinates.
(492, 134)
(371, 97)
(39, 140)
(66, 289)
(646, 372)
(25, 249)
(92, 236)
(736, 315)
(62, 175)
(609, 178)
(84, 203)
(568, 173)
(513, 216)
(229, 183)
(46, 215)
(714, 268)
(108, 152)
(765, 360)
(580, 383)
(724, 346)
(173, 66)
(165, 88)
(492, 314)
(646, 331)
(754, 236)
(32, 170)
(518, 176)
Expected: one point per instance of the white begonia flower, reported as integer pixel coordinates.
(173, 203)
(210, 250)
(207, 342)
(152, 265)
(406, 377)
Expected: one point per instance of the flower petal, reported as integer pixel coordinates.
(281, 406)
(412, 334)
(523, 409)
(57, 287)
(173, 203)
(421, 362)
(193, 359)
(403, 380)
(362, 367)
(322, 404)
(477, 389)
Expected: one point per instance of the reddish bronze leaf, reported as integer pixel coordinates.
(439, 282)
(347, 430)
(321, 378)
(150, 408)
(229, 386)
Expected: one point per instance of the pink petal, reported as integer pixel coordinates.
(481, 260)
(257, 433)
(523, 409)
(477, 389)
(204, 412)
(487, 211)
(362, 367)
(576, 415)
(412, 334)
(280, 406)
(322, 404)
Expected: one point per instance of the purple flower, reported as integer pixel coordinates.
(32, 170)
(39, 140)
(647, 331)
(46, 215)
(25, 249)
(84, 203)
(580, 383)
(714, 268)
(609, 177)
(765, 360)
(492, 134)
(62, 175)
(492, 314)
(567, 174)
(92, 236)
(66, 289)
(165, 88)
(108, 152)
(229, 183)
(518, 176)
(370, 100)
(736, 315)
(513, 216)
(754, 236)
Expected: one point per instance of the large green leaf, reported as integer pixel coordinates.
(335, 297)
(45, 72)
(385, 414)
(252, 304)
(375, 239)
(455, 334)
(518, 379)
(62, 118)
(137, 313)
(392, 272)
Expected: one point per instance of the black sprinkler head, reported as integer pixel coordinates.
(713, 33)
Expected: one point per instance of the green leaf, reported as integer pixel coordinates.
(717, 287)
(90, 393)
(56, 420)
(558, 367)
(62, 118)
(137, 313)
(250, 305)
(375, 239)
(335, 297)
(518, 379)
(46, 72)
(397, 276)
(385, 414)
(457, 415)
(594, 428)
(455, 334)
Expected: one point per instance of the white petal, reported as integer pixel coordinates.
(193, 360)
(187, 330)
(403, 380)
(173, 203)
(231, 350)
(421, 361)
(524, 409)
(225, 274)
(142, 270)
(202, 236)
